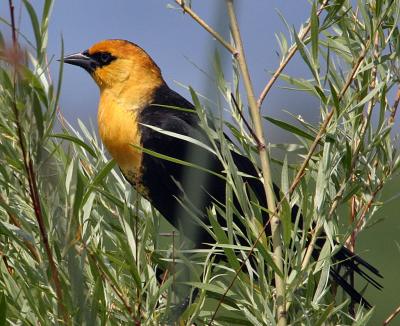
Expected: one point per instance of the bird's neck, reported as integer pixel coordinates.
(118, 113)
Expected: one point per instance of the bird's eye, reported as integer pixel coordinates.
(101, 59)
(105, 57)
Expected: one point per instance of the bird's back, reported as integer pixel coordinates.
(168, 181)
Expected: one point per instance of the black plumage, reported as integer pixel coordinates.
(165, 180)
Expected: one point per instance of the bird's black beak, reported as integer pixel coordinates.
(82, 60)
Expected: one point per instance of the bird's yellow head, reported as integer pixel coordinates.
(111, 63)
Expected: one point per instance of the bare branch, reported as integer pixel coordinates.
(293, 49)
(392, 316)
(393, 111)
(207, 27)
(14, 220)
(31, 176)
(265, 170)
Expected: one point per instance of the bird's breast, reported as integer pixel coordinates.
(119, 131)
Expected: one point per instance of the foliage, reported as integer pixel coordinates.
(80, 246)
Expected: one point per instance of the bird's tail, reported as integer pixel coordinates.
(350, 262)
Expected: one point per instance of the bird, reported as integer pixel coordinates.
(152, 133)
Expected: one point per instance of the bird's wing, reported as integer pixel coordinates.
(179, 164)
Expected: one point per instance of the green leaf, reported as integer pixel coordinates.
(313, 66)
(292, 129)
(327, 311)
(180, 136)
(105, 170)
(347, 158)
(323, 176)
(322, 264)
(222, 238)
(129, 242)
(60, 76)
(363, 321)
(195, 98)
(352, 191)
(285, 177)
(335, 96)
(369, 96)
(37, 111)
(175, 160)
(7, 228)
(314, 32)
(79, 191)
(77, 141)
(35, 25)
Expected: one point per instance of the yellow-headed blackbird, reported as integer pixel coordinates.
(134, 98)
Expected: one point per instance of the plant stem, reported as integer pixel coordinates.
(207, 27)
(327, 120)
(14, 220)
(265, 168)
(395, 106)
(31, 176)
(115, 287)
(350, 78)
(293, 49)
(392, 316)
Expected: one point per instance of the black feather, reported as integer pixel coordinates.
(164, 180)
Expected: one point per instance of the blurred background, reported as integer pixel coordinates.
(185, 54)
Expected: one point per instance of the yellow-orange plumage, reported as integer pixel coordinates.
(118, 130)
(126, 86)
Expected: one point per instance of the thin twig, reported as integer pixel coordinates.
(392, 316)
(14, 220)
(293, 49)
(33, 190)
(115, 287)
(393, 110)
(351, 241)
(13, 26)
(265, 170)
(368, 205)
(253, 134)
(207, 27)
(311, 246)
(327, 120)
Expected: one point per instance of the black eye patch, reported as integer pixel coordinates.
(102, 58)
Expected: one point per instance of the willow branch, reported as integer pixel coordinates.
(393, 110)
(327, 120)
(392, 316)
(265, 170)
(293, 49)
(207, 27)
(350, 78)
(14, 220)
(114, 287)
(31, 176)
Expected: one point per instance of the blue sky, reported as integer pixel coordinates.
(180, 47)
(176, 43)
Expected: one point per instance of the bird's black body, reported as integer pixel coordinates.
(134, 96)
(203, 188)
(199, 186)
